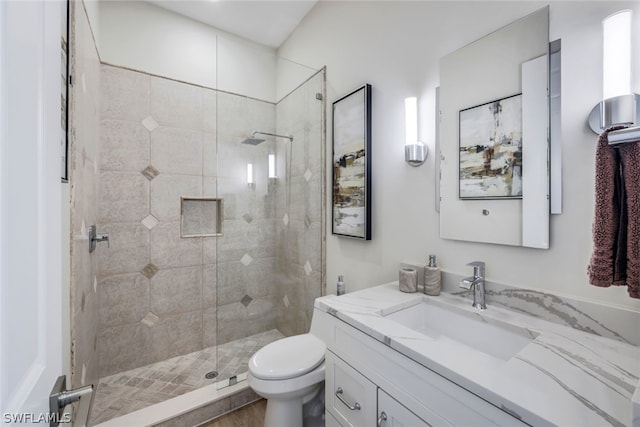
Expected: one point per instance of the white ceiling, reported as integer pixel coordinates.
(268, 22)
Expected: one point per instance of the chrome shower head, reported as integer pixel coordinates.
(253, 140)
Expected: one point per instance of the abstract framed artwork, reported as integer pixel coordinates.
(491, 150)
(351, 197)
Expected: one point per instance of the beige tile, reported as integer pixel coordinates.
(123, 347)
(168, 250)
(209, 155)
(166, 191)
(176, 334)
(177, 151)
(248, 416)
(259, 277)
(128, 250)
(124, 196)
(231, 320)
(209, 327)
(232, 111)
(124, 298)
(209, 285)
(124, 146)
(176, 104)
(176, 290)
(84, 333)
(209, 249)
(231, 284)
(209, 107)
(124, 94)
(261, 115)
(210, 187)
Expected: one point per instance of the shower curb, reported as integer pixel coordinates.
(212, 410)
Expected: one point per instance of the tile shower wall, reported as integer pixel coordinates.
(161, 295)
(299, 225)
(83, 176)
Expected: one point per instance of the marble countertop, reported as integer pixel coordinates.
(562, 377)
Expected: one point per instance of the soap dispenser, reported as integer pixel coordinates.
(432, 277)
(340, 286)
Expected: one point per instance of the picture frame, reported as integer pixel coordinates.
(64, 91)
(351, 197)
(490, 150)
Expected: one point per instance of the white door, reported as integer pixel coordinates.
(30, 209)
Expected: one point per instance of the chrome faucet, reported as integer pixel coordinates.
(477, 283)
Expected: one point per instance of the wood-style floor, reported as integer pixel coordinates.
(251, 415)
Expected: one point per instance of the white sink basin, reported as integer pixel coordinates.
(439, 321)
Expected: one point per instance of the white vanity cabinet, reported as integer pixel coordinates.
(353, 400)
(365, 377)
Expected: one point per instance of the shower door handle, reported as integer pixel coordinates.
(94, 238)
(60, 397)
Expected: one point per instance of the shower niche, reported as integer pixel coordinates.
(201, 217)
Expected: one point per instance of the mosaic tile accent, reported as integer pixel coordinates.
(150, 123)
(150, 319)
(247, 218)
(150, 172)
(307, 175)
(246, 300)
(246, 259)
(307, 268)
(285, 219)
(150, 221)
(138, 388)
(149, 271)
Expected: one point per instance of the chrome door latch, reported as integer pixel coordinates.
(60, 397)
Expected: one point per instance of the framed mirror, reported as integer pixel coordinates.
(494, 175)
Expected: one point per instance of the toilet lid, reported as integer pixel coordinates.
(288, 358)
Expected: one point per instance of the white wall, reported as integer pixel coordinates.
(144, 37)
(396, 46)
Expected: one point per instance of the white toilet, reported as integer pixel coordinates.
(288, 373)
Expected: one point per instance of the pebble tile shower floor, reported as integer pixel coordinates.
(138, 388)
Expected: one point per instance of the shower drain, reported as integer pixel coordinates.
(211, 375)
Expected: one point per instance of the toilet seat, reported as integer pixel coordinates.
(288, 358)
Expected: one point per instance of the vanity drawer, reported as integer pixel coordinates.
(391, 413)
(349, 396)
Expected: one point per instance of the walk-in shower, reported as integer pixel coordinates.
(176, 310)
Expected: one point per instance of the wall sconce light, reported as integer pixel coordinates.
(272, 167)
(250, 182)
(619, 105)
(415, 152)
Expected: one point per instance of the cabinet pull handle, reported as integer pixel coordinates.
(354, 407)
(382, 418)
